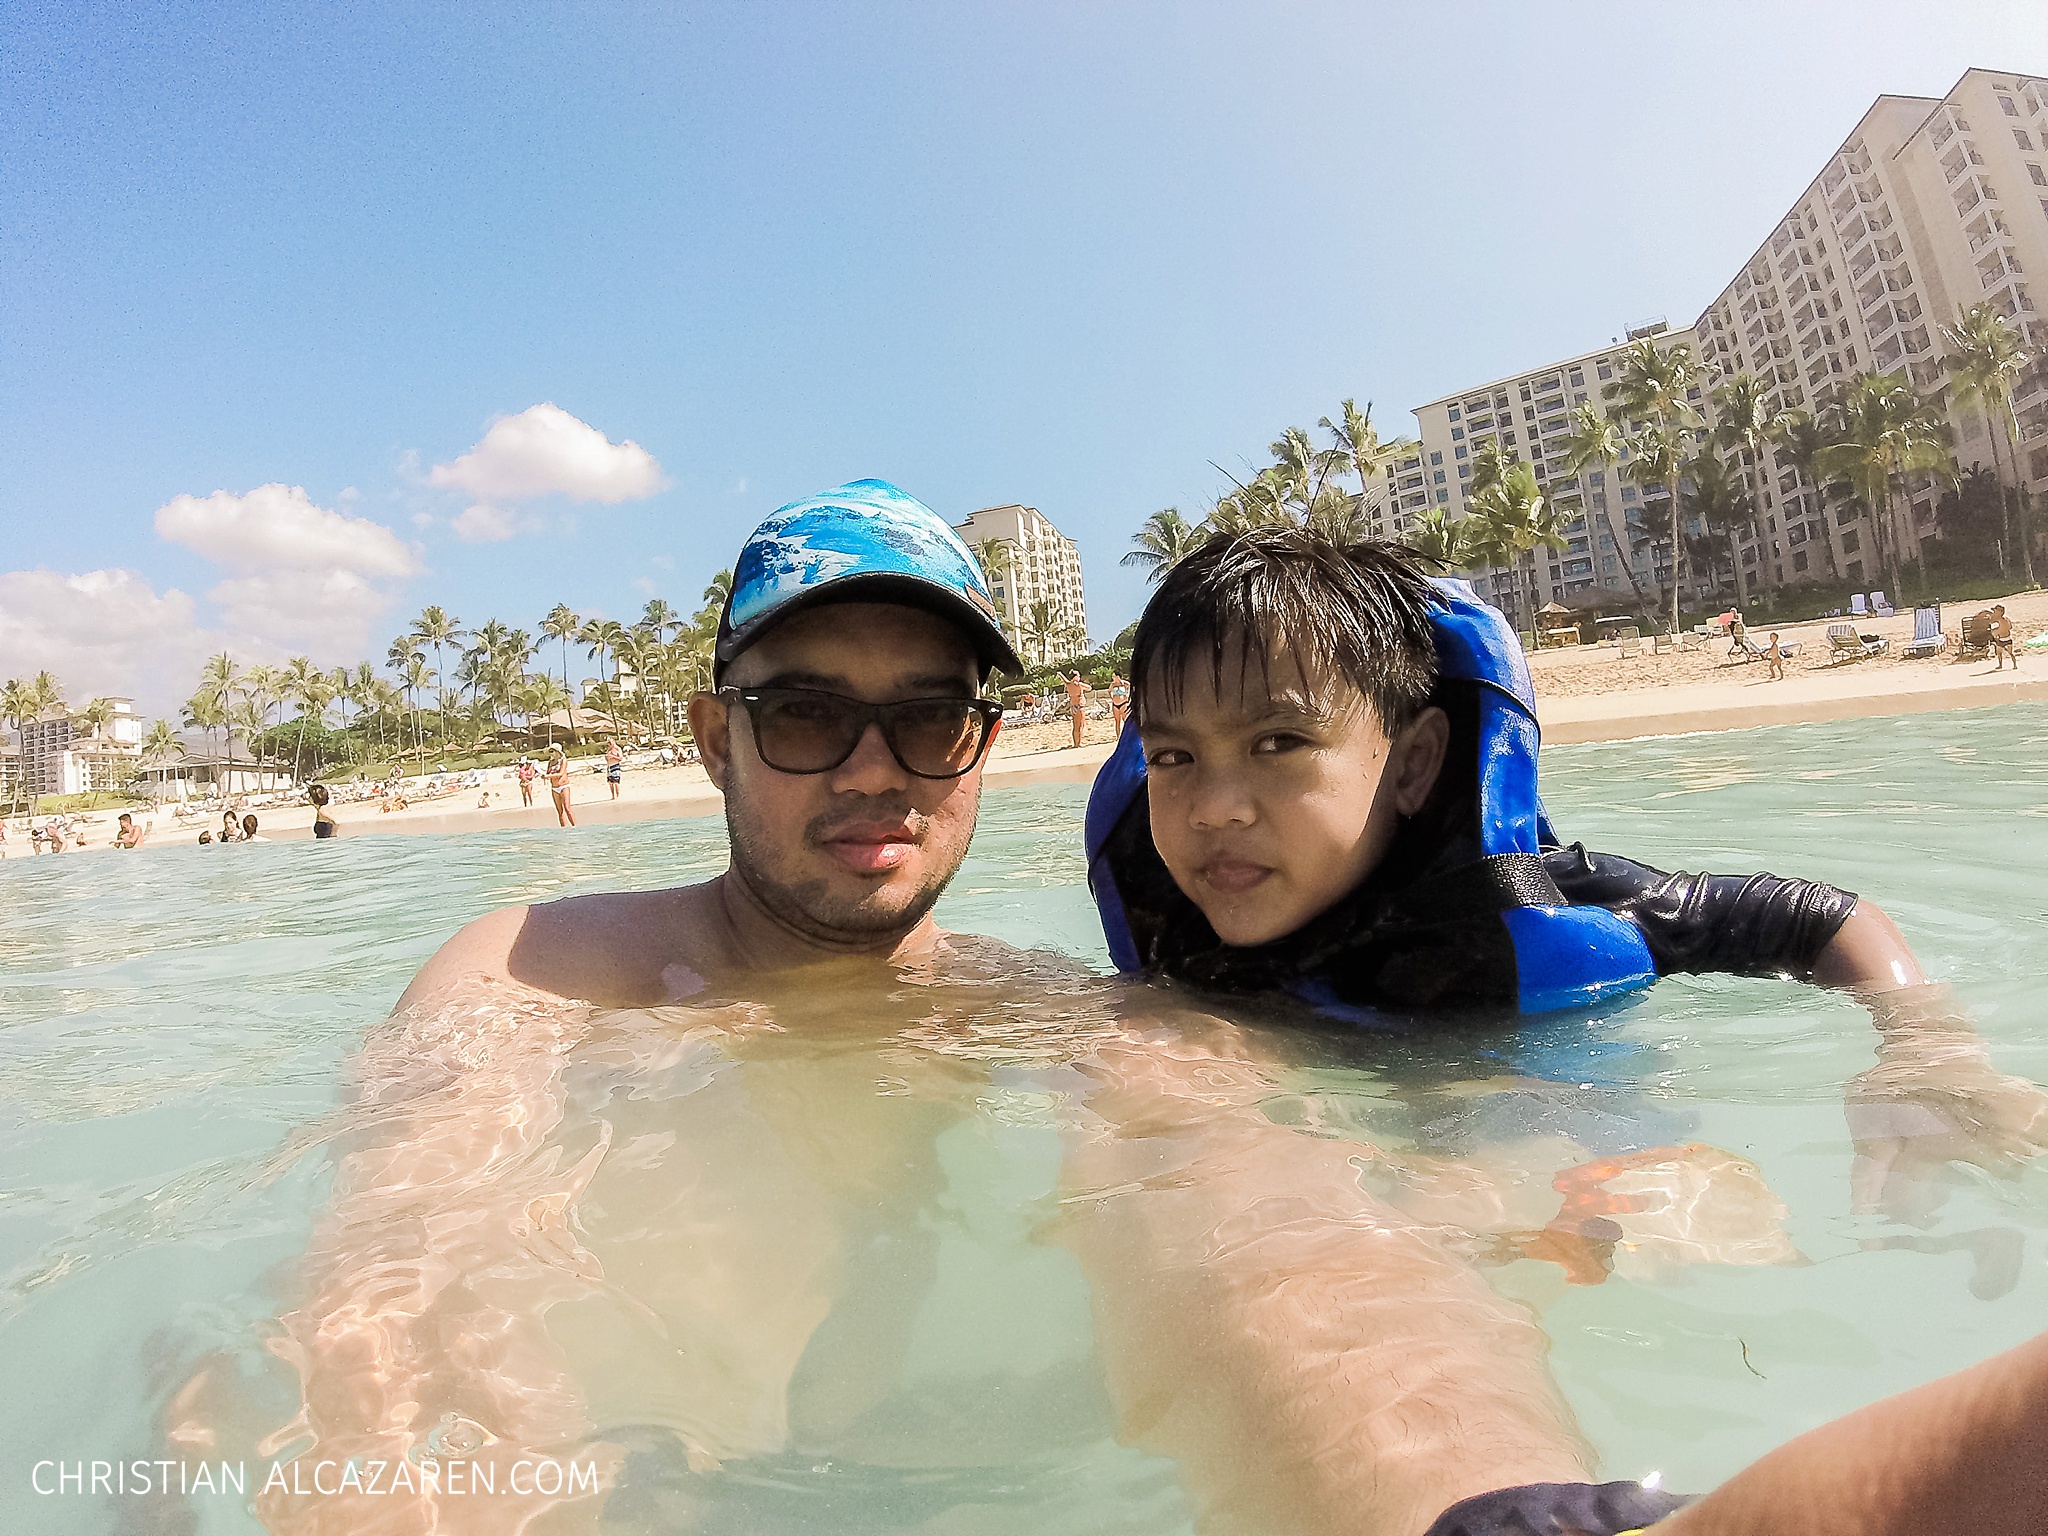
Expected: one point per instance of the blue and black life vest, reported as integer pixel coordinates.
(1462, 912)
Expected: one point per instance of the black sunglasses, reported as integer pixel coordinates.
(807, 730)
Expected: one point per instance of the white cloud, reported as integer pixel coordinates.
(101, 632)
(482, 524)
(278, 527)
(544, 451)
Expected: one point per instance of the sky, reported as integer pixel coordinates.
(313, 315)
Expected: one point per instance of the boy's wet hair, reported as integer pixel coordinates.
(1359, 612)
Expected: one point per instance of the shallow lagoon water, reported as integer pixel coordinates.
(170, 1024)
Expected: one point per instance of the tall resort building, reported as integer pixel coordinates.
(1042, 566)
(1930, 205)
(1529, 415)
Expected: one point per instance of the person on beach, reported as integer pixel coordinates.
(614, 764)
(2001, 639)
(1119, 703)
(128, 834)
(558, 787)
(524, 773)
(324, 824)
(1077, 704)
(1330, 1367)
(1774, 659)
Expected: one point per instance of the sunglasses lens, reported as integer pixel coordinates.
(806, 732)
(936, 738)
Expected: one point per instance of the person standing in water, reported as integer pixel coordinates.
(324, 824)
(558, 786)
(614, 764)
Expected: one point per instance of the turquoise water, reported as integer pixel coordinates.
(174, 1026)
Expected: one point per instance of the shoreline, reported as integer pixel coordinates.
(1687, 695)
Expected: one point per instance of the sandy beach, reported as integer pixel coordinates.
(1584, 694)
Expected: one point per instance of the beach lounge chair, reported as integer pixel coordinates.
(1844, 644)
(1974, 639)
(1693, 638)
(1881, 605)
(1629, 641)
(1927, 636)
(1661, 644)
(1858, 607)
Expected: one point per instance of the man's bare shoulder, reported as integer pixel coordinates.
(617, 949)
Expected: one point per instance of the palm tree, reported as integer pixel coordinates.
(160, 745)
(95, 716)
(599, 637)
(1166, 539)
(1747, 420)
(994, 556)
(1650, 387)
(1800, 438)
(436, 627)
(1986, 358)
(1357, 443)
(1515, 519)
(1595, 443)
(1883, 430)
(18, 705)
(1658, 454)
(1721, 501)
(412, 676)
(561, 624)
(300, 681)
(1042, 627)
(1439, 539)
(660, 618)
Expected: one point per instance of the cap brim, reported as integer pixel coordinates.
(991, 646)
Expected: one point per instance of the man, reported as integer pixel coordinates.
(1077, 703)
(614, 764)
(129, 834)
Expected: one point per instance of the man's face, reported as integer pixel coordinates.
(1270, 799)
(860, 852)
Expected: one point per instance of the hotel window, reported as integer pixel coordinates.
(1443, 496)
(1436, 458)
(1464, 470)
(1457, 434)
(1606, 372)
(2035, 171)
(1437, 478)
(2019, 137)
(1454, 413)
(2005, 105)
(1459, 451)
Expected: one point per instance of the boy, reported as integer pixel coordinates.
(1774, 655)
(1331, 793)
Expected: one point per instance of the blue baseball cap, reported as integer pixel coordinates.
(867, 542)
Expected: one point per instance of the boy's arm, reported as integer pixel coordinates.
(1933, 1095)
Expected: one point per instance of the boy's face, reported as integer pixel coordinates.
(1272, 798)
